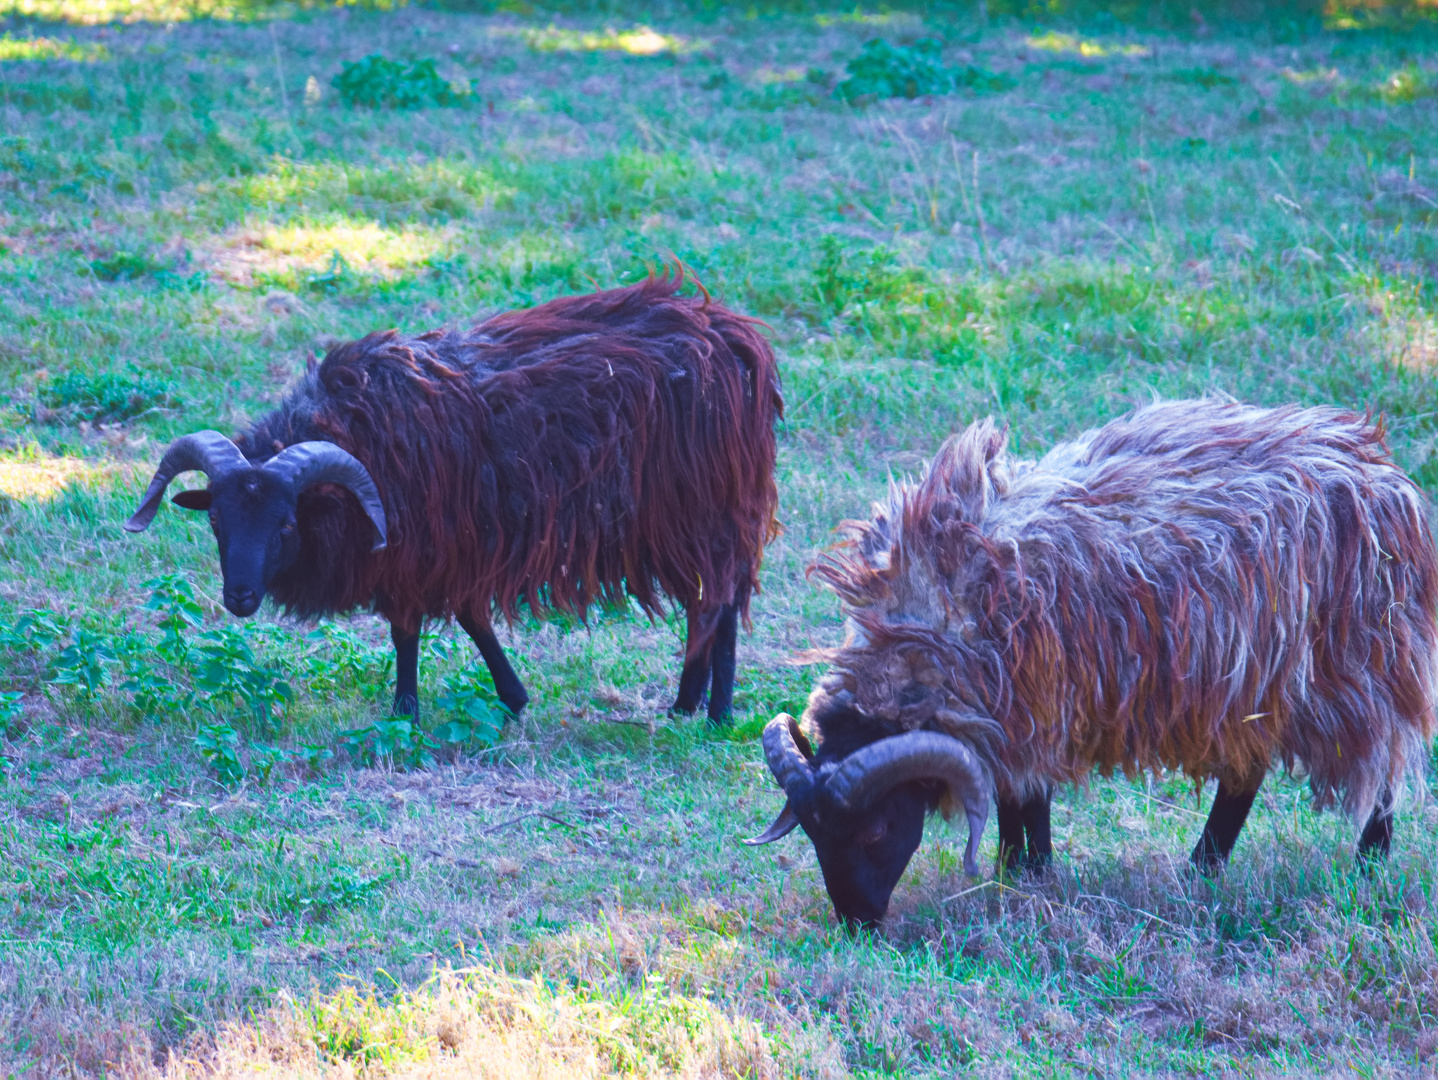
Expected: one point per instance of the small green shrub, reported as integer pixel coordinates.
(398, 740)
(380, 83)
(11, 710)
(229, 674)
(476, 713)
(33, 631)
(125, 266)
(104, 398)
(882, 70)
(85, 663)
(1204, 77)
(219, 745)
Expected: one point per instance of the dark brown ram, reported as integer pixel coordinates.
(590, 449)
(1201, 586)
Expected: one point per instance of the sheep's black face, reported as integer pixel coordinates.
(863, 854)
(253, 514)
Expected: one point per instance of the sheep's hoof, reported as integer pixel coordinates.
(684, 708)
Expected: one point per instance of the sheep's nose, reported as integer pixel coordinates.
(241, 600)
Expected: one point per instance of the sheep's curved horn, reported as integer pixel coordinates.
(307, 463)
(917, 755)
(208, 451)
(788, 752)
(783, 825)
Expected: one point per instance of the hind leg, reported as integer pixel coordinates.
(726, 640)
(1377, 835)
(702, 625)
(406, 671)
(506, 683)
(1017, 818)
(1225, 821)
(1039, 829)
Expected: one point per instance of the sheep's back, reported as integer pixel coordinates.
(1207, 586)
(557, 457)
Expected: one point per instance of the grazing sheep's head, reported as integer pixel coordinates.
(863, 806)
(252, 507)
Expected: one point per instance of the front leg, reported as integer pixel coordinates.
(1225, 821)
(506, 683)
(406, 671)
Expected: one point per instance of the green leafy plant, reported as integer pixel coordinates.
(339, 660)
(103, 397)
(332, 278)
(172, 596)
(85, 663)
(398, 740)
(883, 70)
(219, 746)
(476, 713)
(12, 710)
(230, 674)
(124, 266)
(33, 631)
(377, 82)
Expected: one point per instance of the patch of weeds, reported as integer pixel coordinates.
(85, 663)
(107, 397)
(1202, 76)
(127, 266)
(219, 746)
(338, 661)
(882, 70)
(230, 674)
(477, 716)
(173, 596)
(332, 278)
(33, 631)
(899, 309)
(11, 709)
(377, 82)
(1406, 85)
(398, 740)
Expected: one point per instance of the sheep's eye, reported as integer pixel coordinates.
(873, 834)
(287, 528)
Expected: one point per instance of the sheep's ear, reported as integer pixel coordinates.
(193, 500)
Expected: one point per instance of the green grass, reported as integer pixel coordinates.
(1106, 210)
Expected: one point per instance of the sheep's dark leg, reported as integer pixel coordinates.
(506, 683)
(406, 671)
(1011, 835)
(1036, 824)
(1017, 818)
(1377, 835)
(1220, 831)
(721, 691)
(703, 623)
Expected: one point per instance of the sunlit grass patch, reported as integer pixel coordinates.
(640, 41)
(480, 1021)
(97, 12)
(363, 247)
(32, 474)
(1054, 41)
(431, 188)
(45, 48)
(1407, 85)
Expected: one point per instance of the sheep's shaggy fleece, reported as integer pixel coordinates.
(1200, 585)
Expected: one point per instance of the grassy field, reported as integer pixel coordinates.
(216, 852)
